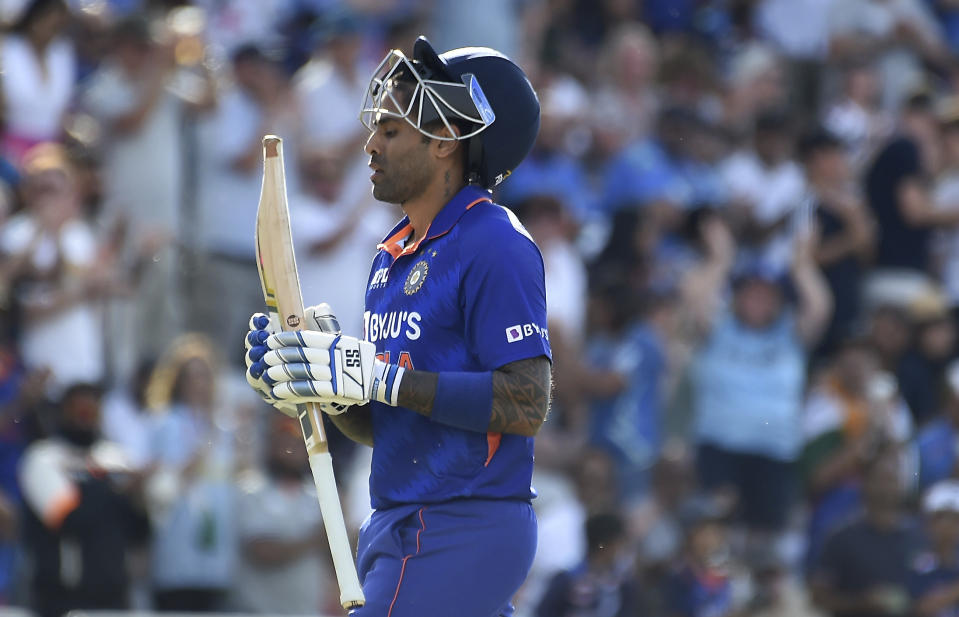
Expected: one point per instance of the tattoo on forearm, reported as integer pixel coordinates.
(417, 391)
(521, 394)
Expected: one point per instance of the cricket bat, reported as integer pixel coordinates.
(281, 291)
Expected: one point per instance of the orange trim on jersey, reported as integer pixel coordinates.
(492, 445)
(61, 508)
(392, 244)
(480, 200)
(403, 567)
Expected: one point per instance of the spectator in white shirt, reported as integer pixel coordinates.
(38, 76)
(856, 118)
(68, 275)
(765, 184)
(134, 96)
(231, 171)
(332, 84)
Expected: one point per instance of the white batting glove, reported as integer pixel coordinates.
(311, 366)
(261, 327)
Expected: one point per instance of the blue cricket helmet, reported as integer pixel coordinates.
(481, 91)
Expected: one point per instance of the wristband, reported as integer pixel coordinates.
(464, 400)
(386, 382)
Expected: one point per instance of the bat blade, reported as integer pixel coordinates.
(276, 264)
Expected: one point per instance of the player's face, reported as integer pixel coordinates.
(400, 159)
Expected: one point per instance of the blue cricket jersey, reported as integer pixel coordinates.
(470, 296)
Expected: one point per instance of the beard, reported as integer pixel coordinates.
(402, 180)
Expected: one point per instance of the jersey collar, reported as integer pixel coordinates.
(465, 199)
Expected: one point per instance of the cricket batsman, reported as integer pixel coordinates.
(451, 381)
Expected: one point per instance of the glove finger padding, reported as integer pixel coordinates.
(325, 367)
(296, 372)
(260, 329)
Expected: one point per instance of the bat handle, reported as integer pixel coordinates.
(351, 592)
(325, 319)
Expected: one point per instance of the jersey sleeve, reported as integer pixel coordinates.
(503, 292)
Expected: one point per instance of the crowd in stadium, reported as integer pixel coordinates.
(749, 215)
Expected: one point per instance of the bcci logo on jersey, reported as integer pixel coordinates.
(526, 330)
(416, 278)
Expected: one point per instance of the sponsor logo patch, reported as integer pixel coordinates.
(525, 330)
(379, 278)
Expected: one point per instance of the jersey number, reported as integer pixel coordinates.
(405, 360)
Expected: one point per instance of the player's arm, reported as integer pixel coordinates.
(520, 395)
(290, 368)
(356, 423)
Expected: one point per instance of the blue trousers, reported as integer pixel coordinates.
(462, 558)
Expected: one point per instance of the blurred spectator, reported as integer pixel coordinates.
(140, 105)
(283, 545)
(38, 76)
(626, 104)
(934, 580)
(84, 512)
(21, 398)
(701, 586)
(596, 483)
(330, 87)
(948, 14)
(548, 222)
(125, 416)
(937, 440)
(897, 191)
(749, 374)
(755, 81)
(493, 23)
(945, 196)
(602, 585)
(864, 567)
(259, 103)
(765, 184)
(629, 423)
(67, 274)
(901, 34)
(799, 29)
(890, 334)
(338, 225)
(851, 412)
(192, 496)
(846, 230)
(666, 169)
(921, 372)
(856, 117)
(552, 168)
(230, 25)
(655, 523)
